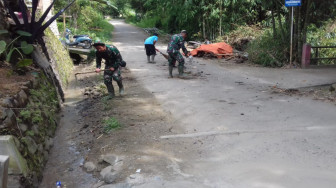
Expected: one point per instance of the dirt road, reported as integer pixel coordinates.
(224, 128)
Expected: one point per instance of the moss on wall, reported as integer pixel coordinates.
(61, 60)
(40, 117)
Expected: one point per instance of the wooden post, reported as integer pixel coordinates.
(4, 162)
(306, 55)
(64, 24)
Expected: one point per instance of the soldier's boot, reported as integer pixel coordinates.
(121, 87)
(110, 90)
(148, 59)
(171, 71)
(152, 58)
(180, 70)
(181, 73)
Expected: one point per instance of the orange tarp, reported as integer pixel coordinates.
(218, 49)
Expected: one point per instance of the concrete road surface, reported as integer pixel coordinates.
(244, 135)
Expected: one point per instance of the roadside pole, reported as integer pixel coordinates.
(292, 4)
(291, 40)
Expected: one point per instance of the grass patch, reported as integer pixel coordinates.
(111, 124)
(106, 105)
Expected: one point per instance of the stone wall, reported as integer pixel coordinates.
(3, 23)
(30, 117)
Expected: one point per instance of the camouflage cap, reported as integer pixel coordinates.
(185, 32)
(98, 42)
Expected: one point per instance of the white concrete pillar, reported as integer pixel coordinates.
(4, 162)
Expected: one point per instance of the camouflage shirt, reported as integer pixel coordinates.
(111, 55)
(176, 43)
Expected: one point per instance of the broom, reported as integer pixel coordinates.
(164, 55)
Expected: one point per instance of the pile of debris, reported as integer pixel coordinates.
(218, 50)
(95, 91)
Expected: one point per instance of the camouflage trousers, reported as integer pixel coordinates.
(112, 75)
(173, 57)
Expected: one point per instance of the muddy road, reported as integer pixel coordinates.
(223, 128)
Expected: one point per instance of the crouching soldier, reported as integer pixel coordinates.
(174, 46)
(113, 62)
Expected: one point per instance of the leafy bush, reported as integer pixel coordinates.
(268, 51)
(8, 49)
(323, 36)
(241, 36)
(93, 23)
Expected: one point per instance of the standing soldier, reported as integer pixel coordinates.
(150, 47)
(113, 61)
(174, 46)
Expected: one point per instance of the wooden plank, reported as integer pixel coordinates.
(79, 51)
(323, 58)
(323, 46)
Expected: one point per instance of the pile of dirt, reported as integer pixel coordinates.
(325, 93)
(95, 91)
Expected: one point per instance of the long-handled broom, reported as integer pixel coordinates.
(164, 55)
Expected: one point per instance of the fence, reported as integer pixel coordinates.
(307, 60)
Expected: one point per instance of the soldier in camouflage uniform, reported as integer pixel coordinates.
(174, 46)
(113, 61)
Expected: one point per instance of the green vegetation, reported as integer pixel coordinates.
(9, 49)
(323, 36)
(268, 50)
(219, 20)
(43, 105)
(214, 19)
(60, 55)
(87, 17)
(40, 116)
(111, 124)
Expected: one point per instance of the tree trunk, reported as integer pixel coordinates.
(220, 17)
(274, 26)
(299, 33)
(295, 32)
(203, 24)
(230, 14)
(283, 34)
(306, 22)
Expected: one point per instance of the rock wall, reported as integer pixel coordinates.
(30, 117)
(3, 23)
